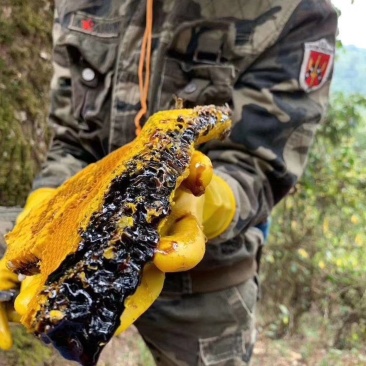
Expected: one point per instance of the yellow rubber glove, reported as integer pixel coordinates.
(195, 219)
(219, 207)
(9, 280)
(148, 291)
(28, 289)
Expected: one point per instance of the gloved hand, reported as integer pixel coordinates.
(219, 208)
(194, 219)
(9, 280)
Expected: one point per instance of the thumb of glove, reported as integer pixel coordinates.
(6, 340)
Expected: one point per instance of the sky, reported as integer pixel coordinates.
(352, 22)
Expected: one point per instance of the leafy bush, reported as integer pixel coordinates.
(25, 71)
(315, 259)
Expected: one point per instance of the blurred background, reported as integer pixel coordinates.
(313, 308)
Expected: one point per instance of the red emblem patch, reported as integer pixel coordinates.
(87, 24)
(316, 65)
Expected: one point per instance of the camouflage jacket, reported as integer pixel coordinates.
(270, 60)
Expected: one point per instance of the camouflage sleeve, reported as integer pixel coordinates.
(278, 106)
(66, 155)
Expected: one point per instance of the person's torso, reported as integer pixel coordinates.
(198, 49)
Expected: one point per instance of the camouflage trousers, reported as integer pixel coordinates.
(202, 329)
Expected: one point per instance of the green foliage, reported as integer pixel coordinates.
(25, 69)
(350, 71)
(27, 350)
(316, 255)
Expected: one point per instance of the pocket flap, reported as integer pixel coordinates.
(101, 55)
(216, 350)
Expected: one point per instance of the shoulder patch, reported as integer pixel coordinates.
(316, 65)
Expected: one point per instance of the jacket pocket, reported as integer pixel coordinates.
(198, 66)
(92, 57)
(235, 345)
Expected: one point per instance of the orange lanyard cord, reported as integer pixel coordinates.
(145, 60)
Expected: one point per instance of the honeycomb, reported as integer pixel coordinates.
(90, 241)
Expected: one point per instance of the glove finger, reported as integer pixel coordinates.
(200, 173)
(6, 340)
(220, 207)
(184, 248)
(28, 290)
(9, 280)
(151, 285)
(185, 203)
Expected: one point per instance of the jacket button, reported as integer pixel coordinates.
(190, 88)
(88, 74)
